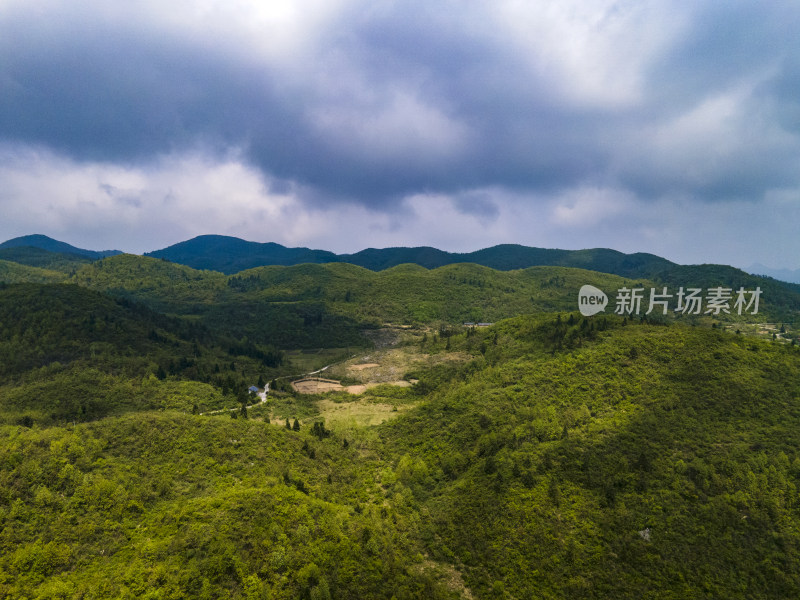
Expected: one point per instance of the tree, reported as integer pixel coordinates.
(288, 425)
(318, 429)
(295, 425)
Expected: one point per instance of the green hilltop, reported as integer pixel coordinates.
(327, 305)
(230, 255)
(44, 242)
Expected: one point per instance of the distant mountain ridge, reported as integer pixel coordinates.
(47, 243)
(782, 274)
(231, 255)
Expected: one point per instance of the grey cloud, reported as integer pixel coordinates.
(98, 89)
(478, 204)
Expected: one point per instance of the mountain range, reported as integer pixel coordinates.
(46, 243)
(231, 255)
(787, 275)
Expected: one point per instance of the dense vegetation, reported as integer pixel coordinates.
(71, 354)
(44, 259)
(653, 462)
(14, 272)
(567, 458)
(172, 506)
(328, 305)
(549, 455)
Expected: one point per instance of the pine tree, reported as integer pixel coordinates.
(295, 425)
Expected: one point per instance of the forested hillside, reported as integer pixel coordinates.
(230, 255)
(648, 462)
(13, 272)
(44, 242)
(71, 354)
(307, 306)
(543, 455)
(36, 257)
(565, 458)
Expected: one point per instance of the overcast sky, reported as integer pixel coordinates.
(670, 127)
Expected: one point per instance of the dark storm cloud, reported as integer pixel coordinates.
(392, 99)
(107, 92)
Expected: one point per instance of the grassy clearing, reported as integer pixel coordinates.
(359, 413)
(305, 361)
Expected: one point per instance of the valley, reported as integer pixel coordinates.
(397, 452)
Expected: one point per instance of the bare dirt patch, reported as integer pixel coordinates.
(390, 365)
(363, 387)
(317, 385)
(320, 386)
(364, 366)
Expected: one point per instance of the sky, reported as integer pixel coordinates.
(670, 127)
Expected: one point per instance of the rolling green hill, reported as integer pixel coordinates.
(68, 353)
(13, 272)
(327, 305)
(644, 462)
(175, 506)
(567, 458)
(545, 456)
(230, 255)
(44, 259)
